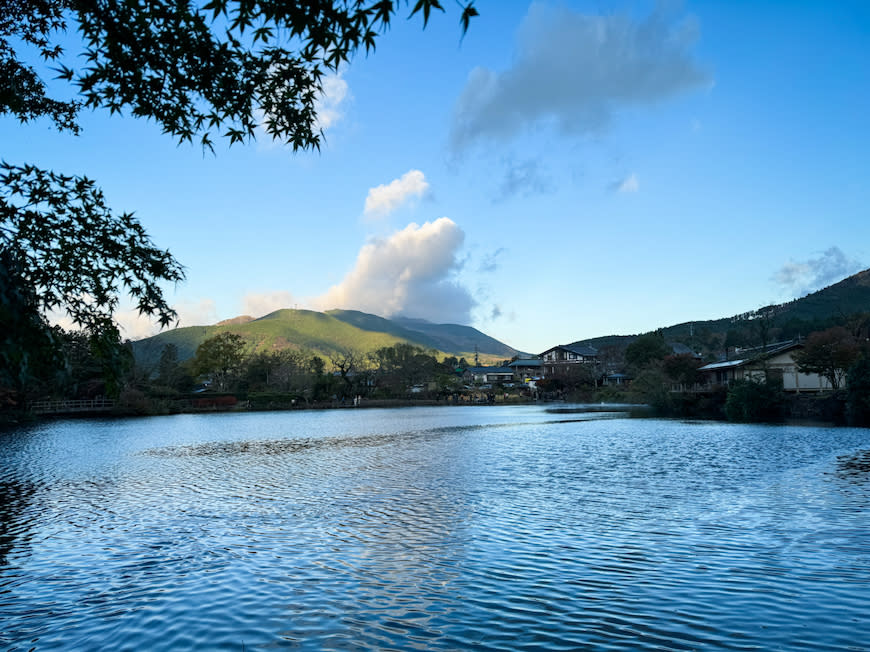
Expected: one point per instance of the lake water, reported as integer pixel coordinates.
(433, 528)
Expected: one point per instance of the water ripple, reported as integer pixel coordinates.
(467, 528)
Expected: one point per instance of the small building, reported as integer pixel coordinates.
(616, 380)
(490, 375)
(524, 368)
(755, 363)
(569, 360)
(678, 348)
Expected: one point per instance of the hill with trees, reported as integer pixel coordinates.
(327, 333)
(836, 305)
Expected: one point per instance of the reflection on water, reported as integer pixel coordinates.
(449, 528)
(855, 465)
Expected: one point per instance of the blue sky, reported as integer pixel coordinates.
(567, 170)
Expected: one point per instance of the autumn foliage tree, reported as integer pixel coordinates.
(829, 353)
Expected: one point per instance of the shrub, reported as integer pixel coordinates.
(858, 393)
(755, 400)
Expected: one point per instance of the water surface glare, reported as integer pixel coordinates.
(433, 528)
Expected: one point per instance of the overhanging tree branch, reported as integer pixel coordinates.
(76, 254)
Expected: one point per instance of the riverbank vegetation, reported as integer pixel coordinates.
(840, 354)
(224, 374)
(227, 374)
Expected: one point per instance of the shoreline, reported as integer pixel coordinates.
(176, 407)
(165, 408)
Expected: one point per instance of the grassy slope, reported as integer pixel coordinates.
(316, 331)
(459, 339)
(373, 323)
(186, 340)
(450, 338)
(324, 333)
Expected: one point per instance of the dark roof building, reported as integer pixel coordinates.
(569, 359)
(491, 374)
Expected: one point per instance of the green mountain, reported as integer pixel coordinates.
(835, 304)
(465, 338)
(327, 333)
(337, 331)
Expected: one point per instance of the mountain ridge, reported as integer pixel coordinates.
(798, 317)
(327, 333)
(335, 331)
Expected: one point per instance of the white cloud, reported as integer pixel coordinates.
(131, 324)
(629, 184)
(134, 326)
(331, 102)
(573, 71)
(384, 199)
(832, 265)
(409, 273)
(258, 304)
(196, 313)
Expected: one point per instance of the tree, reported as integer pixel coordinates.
(66, 252)
(646, 349)
(171, 373)
(220, 67)
(94, 364)
(682, 368)
(754, 400)
(828, 353)
(220, 356)
(74, 253)
(651, 386)
(223, 67)
(22, 92)
(347, 364)
(282, 370)
(316, 366)
(858, 392)
(404, 365)
(27, 343)
(764, 325)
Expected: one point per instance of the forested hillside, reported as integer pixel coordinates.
(837, 304)
(329, 333)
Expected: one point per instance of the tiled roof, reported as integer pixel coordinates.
(490, 370)
(770, 349)
(727, 364)
(751, 355)
(579, 349)
(525, 362)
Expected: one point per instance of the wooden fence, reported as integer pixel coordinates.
(72, 406)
